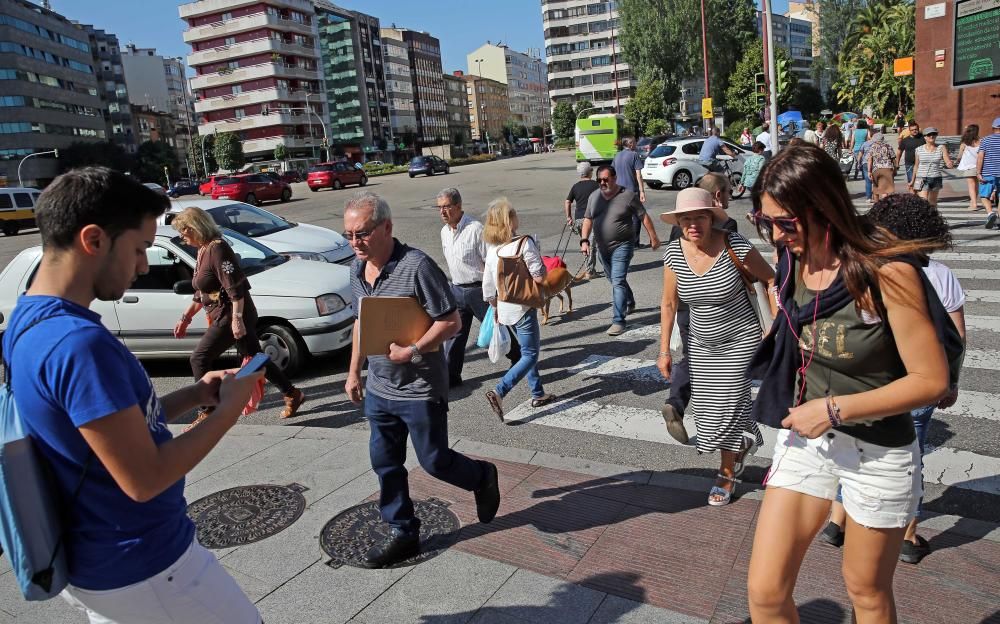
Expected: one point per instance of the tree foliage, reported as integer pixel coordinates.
(564, 120)
(657, 126)
(881, 33)
(808, 100)
(834, 16)
(197, 161)
(580, 107)
(228, 151)
(741, 97)
(537, 132)
(281, 153)
(152, 158)
(645, 105)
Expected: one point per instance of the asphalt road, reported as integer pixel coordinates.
(614, 394)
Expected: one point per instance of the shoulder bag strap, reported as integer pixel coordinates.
(745, 274)
(520, 245)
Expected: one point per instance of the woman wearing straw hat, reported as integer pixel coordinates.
(724, 332)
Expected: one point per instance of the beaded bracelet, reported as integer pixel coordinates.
(833, 412)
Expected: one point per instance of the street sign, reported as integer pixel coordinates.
(903, 66)
(706, 108)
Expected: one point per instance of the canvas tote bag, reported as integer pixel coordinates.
(515, 283)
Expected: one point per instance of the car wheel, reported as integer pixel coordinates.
(283, 347)
(430, 171)
(252, 199)
(447, 170)
(10, 228)
(286, 195)
(313, 189)
(337, 185)
(655, 185)
(364, 181)
(411, 176)
(682, 180)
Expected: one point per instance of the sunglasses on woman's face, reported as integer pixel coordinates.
(785, 224)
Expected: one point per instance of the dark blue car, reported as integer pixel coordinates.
(183, 187)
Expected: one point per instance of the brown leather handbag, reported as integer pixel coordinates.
(515, 283)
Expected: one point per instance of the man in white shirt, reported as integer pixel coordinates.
(465, 253)
(765, 138)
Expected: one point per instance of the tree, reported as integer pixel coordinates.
(196, 157)
(281, 153)
(152, 158)
(645, 105)
(564, 120)
(866, 74)
(459, 138)
(834, 15)
(657, 126)
(105, 153)
(581, 107)
(741, 96)
(538, 132)
(808, 100)
(228, 151)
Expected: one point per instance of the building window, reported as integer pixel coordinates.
(230, 41)
(239, 113)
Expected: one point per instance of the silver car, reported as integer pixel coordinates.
(304, 307)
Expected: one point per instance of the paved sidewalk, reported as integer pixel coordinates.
(574, 542)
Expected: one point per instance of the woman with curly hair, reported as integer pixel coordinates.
(910, 217)
(832, 141)
(855, 348)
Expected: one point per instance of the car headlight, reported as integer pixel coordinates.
(306, 255)
(329, 304)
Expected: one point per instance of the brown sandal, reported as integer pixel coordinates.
(496, 403)
(292, 403)
(202, 415)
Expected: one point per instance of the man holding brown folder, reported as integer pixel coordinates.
(407, 384)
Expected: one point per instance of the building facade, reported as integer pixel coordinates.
(49, 94)
(526, 77)
(258, 74)
(112, 87)
(457, 105)
(399, 90)
(584, 58)
(795, 36)
(159, 83)
(424, 55)
(489, 109)
(353, 77)
(152, 124)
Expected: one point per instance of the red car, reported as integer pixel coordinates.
(251, 188)
(206, 187)
(335, 175)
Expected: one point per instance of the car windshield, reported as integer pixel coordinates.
(221, 181)
(253, 256)
(419, 160)
(663, 150)
(248, 220)
(317, 168)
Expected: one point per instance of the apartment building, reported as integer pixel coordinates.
(795, 36)
(526, 77)
(353, 77)
(424, 54)
(107, 61)
(50, 94)
(584, 59)
(258, 74)
(159, 83)
(489, 108)
(457, 106)
(399, 90)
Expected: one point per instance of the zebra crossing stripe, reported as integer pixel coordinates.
(981, 296)
(963, 256)
(982, 323)
(982, 405)
(977, 274)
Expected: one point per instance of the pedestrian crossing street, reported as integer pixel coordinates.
(975, 260)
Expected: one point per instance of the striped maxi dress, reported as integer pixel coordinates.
(724, 334)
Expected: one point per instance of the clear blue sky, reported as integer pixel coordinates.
(461, 25)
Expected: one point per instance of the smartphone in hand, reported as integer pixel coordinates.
(255, 364)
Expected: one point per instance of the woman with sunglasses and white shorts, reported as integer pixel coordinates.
(853, 351)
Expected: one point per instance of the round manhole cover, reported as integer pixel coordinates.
(247, 514)
(351, 533)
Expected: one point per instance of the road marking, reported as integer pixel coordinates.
(963, 256)
(982, 296)
(942, 466)
(979, 358)
(983, 323)
(983, 405)
(975, 243)
(632, 369)
(977, 274)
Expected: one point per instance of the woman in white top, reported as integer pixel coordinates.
(967, 155)
(930, 161)
(500, 235)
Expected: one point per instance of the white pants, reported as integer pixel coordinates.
(195, 589)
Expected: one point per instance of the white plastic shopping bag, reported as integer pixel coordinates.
(499, 343)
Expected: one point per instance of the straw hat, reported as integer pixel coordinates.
(693, 200)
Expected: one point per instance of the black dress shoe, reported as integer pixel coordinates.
(454, 382)
(400, 547)
(488, 496)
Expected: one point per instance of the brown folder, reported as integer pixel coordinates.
(385, 320)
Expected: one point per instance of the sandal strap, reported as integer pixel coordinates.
(719, 475)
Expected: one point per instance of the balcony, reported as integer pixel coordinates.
(290, 141)
(247, 98)
(248, 48)
(252, 72)
(244, 24)
(252, 121)
(192, 9)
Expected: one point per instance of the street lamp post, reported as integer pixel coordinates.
(704, 55)
(772, 73)
(19, 181)
(204, 157)
(479, 67)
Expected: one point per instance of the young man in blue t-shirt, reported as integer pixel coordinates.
(95, 416)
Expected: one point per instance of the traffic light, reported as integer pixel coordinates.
(781, 75)
(760, 89)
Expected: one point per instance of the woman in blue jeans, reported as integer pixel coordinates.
(500, 236)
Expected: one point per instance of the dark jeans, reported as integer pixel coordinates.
(470, 304)
(680, 376)
(426, 422)
(219, 337)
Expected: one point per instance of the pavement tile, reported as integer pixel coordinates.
(11, 600)
(531, 597)
(54, 611)
(593, 468)
(253, 587)
(323, 594)
(230, 450)
(323, 433)
(492, 617)
(493, 451)
(4, 565)
(616, 610)
(447, 589)
(330, 471)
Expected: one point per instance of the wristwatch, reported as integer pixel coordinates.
(416, 358)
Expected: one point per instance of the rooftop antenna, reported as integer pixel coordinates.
(46, 5)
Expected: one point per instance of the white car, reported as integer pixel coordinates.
(674, 163)
(301, 240)
(304, 307)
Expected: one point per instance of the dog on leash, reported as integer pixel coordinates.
(556, 281)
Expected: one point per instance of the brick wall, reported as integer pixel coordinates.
(937, 103)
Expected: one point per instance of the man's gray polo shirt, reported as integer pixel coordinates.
(409, 273)
(612, 218)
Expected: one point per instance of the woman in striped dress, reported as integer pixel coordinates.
(724, 332)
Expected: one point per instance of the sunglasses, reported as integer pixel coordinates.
(785, 224)
(604, 180)
(361, 236)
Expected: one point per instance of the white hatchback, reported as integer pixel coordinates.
(300, 240)
(304, 307)
(674, 163)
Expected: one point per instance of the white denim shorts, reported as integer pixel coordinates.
(196, 589)
(881, 486)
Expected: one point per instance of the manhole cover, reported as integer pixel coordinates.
(348, 536)
(247, 514)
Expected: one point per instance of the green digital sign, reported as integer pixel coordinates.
(977, 42)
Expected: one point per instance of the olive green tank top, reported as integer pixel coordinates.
(852, 352)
